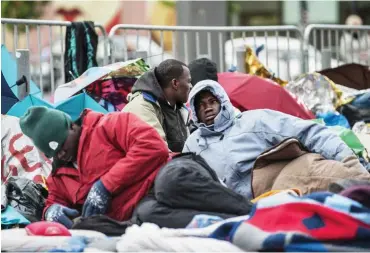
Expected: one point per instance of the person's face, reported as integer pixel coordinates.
(68, 153)
(207, 107)
(182, 86)
(107, 87)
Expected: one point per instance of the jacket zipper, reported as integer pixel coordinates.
(179, 125)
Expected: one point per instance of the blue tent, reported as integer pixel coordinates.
(9, 90)
(72, 106)
(9, 69)
(76, 104)
(21, 107)
(8, 99)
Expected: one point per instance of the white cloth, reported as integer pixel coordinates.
(355, 50)
(18, 153)
(149, 237)
(17, 240)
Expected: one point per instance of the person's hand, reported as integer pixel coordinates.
(61, 214)
(97, 201)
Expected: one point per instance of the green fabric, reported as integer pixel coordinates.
(348, 136)
(48, 128)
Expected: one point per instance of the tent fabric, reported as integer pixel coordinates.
(76, 104)
(91, 75)
(72, 106)
(248, 92)
(8, 99)
(108, 85)
(9, 70)
(352, 75)
(21, 107)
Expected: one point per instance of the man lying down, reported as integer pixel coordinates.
(261, 150)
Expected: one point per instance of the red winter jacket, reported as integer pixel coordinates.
(121, 150)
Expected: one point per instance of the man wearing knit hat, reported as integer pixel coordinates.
(202, 69)
(102, 164)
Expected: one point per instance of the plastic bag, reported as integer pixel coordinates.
(355, 114)
(361, 128)
(10, 218)
(27, 197)
(334, 119)
(349, 137)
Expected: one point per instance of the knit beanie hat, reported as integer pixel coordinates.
(48, 128)
(202, 69)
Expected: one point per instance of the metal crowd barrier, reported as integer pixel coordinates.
(283, 49)
(30, 23)
(187, 38)
(339, 44)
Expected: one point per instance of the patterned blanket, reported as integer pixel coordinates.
(316, 222)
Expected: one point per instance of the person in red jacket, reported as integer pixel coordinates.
(102, 164)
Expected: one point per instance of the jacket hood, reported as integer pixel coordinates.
(148, 83)
(224, 118)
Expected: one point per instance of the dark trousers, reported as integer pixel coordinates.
(182, 191)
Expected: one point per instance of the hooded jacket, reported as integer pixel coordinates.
(122, 151)
(148, 102)
(232, 144)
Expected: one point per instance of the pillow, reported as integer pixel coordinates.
(47, 228)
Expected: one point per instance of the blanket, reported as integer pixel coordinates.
(317, 222)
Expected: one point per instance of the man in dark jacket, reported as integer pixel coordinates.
(158, 98)
(103, 164)
(202, 69)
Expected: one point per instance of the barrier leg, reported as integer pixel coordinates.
(23, 72)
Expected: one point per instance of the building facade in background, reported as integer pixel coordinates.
(288, 12)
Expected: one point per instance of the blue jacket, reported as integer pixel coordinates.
(232, 144)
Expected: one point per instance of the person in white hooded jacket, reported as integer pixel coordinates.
(355, 45)
(231, 142)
